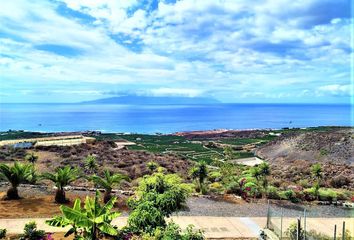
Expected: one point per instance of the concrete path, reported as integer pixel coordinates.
(213, 227)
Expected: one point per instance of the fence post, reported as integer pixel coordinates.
(335, 232)
(298, 229)
(304, 224)
(281, 224)
(268, 216)
(343, 231)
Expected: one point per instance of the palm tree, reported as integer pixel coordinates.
(200, 172)
(31, 157)
(108, 181)
(316, 171)
(91, 164)
(15, 175)
(61, 178)
(264, 171)
(89, 222)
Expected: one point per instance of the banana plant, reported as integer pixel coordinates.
(90, 222)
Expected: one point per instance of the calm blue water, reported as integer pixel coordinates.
(168, 119)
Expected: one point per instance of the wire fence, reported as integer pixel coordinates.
(303, 227)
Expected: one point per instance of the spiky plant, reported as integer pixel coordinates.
(108, 181)
(91, 164)
(31, 157)
(15, 175)
(200, 172)
(62, 177)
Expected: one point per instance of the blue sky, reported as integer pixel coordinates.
(278, 51)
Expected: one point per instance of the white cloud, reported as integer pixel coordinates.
(336, 89)
(176, 92)
(231, 48)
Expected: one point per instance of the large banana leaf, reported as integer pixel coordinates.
(77, 217)
(108, 229)
(109, 205)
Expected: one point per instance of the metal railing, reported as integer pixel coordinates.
(303, 227)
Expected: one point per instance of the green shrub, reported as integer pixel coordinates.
(216, 187)
(146, 218)
(272, 192)
(343, 194)
(232, 187)
(291, 232)
(157, 197)
(327, 195)
(174, 232)
(286, 195)
(2, 233)
(215, 176)
(304, 183)
(31, 232)
(309, 194)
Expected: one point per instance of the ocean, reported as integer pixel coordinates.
(169, 118)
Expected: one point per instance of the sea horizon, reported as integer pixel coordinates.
(167, 119)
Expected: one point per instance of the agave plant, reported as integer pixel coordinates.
(90, 222)
(91, 164)
(15, 175)
(61, 178)
(32, 158)
(108, 181)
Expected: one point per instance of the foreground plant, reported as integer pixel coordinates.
(90, 222)
(2, 233)
(15, 175)
(108, 181)
(32, 233)
(157, 197)
(62, 178)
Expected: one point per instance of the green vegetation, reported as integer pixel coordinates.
(31, 158)
(173, 231)
(199, 150)
(291, 233)
(108, 181)
(157, 197)
(15, 175)
(91, 165)
(200, 172)
(61, 178)
(90, 222)
(11, 135)
(2, 233)
(32, 233)
(152, 166)
(316, 171)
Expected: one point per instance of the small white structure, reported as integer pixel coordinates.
(252, 161)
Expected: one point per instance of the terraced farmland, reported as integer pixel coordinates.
(163, 144)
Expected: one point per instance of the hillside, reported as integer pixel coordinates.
(334, 146)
